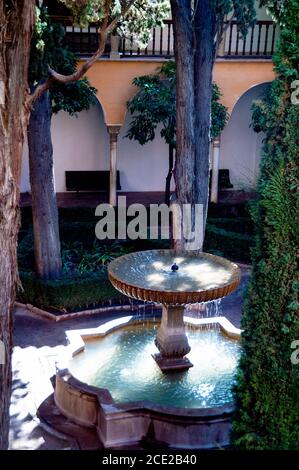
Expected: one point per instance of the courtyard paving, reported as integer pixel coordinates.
(37, 344)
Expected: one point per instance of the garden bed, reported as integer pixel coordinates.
(233, 245)
(84, 282)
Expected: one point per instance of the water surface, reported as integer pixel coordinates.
(122, 362)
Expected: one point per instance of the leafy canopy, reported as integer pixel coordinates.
(48, 49)
(155, 104)
(141, 17)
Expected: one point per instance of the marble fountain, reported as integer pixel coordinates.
(167, 380)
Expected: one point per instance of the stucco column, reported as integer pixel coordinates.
(113, 134)
(215, 170)
(221, 46)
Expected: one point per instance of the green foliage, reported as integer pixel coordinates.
(48, 50)
(138, 21)
(222, 240)
(83, 282)
(79, 256)
(154, 104)
(237, 224)
(267, 393)
(84, 278)
(219, 113)
(67, 294)
(76, 258)
(242, 10)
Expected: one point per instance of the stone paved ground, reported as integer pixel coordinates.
(37, 343)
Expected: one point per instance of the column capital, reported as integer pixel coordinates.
(113, 129)
(217, 142)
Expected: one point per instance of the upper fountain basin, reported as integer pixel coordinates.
(148, 275)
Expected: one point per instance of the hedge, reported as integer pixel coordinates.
(237, 224)
(77, 291)
(71, 293)
(233, 245)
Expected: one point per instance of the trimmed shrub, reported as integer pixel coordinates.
(229, 210)
(232, 245)
(71, 293)
(237, 224)
(84, 282)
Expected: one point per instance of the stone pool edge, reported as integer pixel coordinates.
(128, 423)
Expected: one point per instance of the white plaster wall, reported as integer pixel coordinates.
(82, 143)
(241, 147)
(79, 143)
(142, 167)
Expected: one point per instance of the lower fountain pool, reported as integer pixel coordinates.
(170, 384)
(122, 362)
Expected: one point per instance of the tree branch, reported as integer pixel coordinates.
(78, 74)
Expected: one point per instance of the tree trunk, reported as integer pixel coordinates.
(205, 32)
(44, 205)
(170, 171)
(16, 19)
(185, 151)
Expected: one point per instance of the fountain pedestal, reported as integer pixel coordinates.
(172, 340)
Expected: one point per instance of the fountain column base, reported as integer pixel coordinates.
(172, 340)
(175, 364)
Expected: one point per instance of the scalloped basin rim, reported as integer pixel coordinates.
(119, 424)
(105, 399)
(77, 339)
(157, 282)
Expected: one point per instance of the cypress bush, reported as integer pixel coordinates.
(267, 392)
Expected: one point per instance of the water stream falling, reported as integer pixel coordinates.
(209, 309)
(144, 309)
(122, 362)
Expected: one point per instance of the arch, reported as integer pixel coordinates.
(98, 98)
(235, 77)
(79, 143)
(250, 90)
(142, 167)
(240, 146)
(113, 81)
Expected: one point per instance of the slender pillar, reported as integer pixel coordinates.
(172, 340)
(215, 170)
(221, 45)
(114, 52)
(113, 134)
